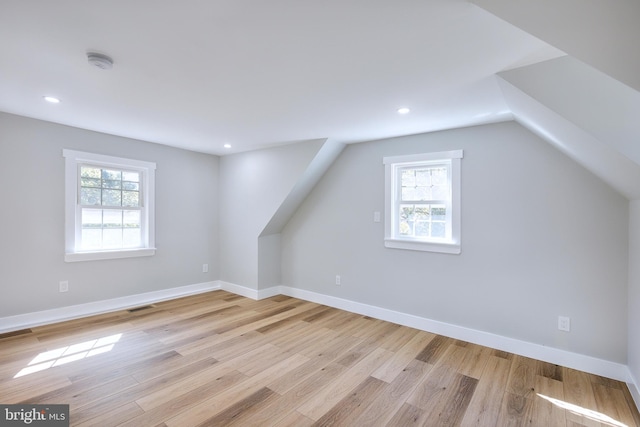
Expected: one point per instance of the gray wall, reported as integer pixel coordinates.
(32, 218)
(541, 237)
(634, 290)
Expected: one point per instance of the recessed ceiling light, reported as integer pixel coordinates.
(403, 110)
(51, 99)
(227, 145)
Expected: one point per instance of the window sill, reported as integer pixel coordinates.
(95, 256)
(445, 248)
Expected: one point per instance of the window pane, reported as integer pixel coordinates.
(131, 238)
(90, 196)
(422, 229)
(440, 192)
(108, 183)
(90, 172)
(110, 174)
(422, 213)
(438, 212)
(112, 219)
(111, 197)
(132, 234)
(91, 182)
(439, 176)
(406, 228)
(438, 229)
(126, 185)
(409, 194)
(423, 193)
(406, 212)
(112, 238)
(423, 177)
(91, 218)
(131, 176)
(131, 219)
(130, 198)
(408, 178)
(91, 238)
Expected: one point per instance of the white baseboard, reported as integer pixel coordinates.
(39, 318)
(256, 294)
(577, 361)
(238, 290)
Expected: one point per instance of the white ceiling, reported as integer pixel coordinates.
(197, 74)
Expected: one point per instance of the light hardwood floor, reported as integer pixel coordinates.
(219, 359)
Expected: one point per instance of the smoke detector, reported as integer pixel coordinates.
(99, 60)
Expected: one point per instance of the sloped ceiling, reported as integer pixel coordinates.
(587, 103)
(601, 33)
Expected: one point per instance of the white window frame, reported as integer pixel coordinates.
(73, 221)
(393, 166)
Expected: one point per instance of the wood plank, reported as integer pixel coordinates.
(484, 407)
(403, 356)
(516, 410)
(214, 405)
(522, 377)
(390, 401)
(408, 415)
(434, 350)
(299, 394)
(125, 412)
(185, 399)
(293, 377)
(353, 405)
(333, 392)
(294, 419)
(112, 403)
(240, 410)
(545, 411)
(578, 391)
(433, 388)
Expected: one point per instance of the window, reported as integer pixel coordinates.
(422, 199)
(109, 210)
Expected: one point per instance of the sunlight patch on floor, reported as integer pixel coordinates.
(71, 353)
(587, 413)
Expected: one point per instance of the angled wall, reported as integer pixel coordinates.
(253, 186)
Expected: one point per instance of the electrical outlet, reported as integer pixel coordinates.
(376, 216)
(564, 323)
(205, 268)
(338, 280)
(63, 286)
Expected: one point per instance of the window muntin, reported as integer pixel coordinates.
(422, 202)
(109, 207)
